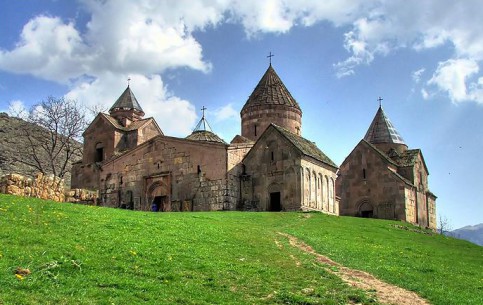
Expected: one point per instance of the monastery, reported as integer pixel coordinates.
(269, 167)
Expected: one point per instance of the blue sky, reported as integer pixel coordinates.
(336, 57)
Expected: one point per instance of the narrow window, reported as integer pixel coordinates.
(255, 130)
(271, 153)
(364, 173)
(199, 169)
(99, 156)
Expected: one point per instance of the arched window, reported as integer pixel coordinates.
(331, 195)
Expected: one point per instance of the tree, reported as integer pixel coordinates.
(53, 146)
(444, 225)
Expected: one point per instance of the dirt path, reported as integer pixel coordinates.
(385, 293)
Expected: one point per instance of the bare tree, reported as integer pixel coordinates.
(444, 225)
(53, 147)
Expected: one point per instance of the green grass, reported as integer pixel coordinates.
(89, 255)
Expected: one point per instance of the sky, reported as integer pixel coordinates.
(336, 57)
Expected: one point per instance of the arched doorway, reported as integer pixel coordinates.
(366, 210)
(158, 197)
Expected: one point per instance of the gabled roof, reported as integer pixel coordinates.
(270, 91)
(305, 146)
(133, 126)
(114, 123)
(381, 130)
(238, 139)
(127, 100)
(388, 159)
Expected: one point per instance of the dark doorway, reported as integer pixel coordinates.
(159, 204)
(275, 205)
(366, 210)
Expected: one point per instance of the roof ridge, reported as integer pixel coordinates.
(307, 148)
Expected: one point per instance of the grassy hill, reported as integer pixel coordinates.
(90, 255)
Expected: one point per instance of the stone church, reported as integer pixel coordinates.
(382, 178)
(269, 167)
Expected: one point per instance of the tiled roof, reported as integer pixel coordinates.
(127, 100)
(382, 131)
(407, 158)
(305, 146)
(271, 91)
(205, 135)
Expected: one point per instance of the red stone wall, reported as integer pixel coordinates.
(195, 171)
(261, 117)
(380, 187)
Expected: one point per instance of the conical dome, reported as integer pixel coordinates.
(382, 133)
(270, 102)
(270, 91)
(127, 101)
(126, 109)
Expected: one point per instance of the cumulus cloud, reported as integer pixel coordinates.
(226, 112)
(452, 77)
(148, 37)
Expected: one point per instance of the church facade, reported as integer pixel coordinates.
(269, 167)
(382, 178)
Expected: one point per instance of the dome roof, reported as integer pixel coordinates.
(127, 101)
(382, 131)
(205, 135)
(270, 91)
(202, 132)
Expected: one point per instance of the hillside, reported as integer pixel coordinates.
(12, 145)
(473, 234)
(74, 254)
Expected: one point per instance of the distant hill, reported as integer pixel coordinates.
(473, 234)
(11, 143)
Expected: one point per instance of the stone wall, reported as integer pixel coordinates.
(44, 187)
(175, 174)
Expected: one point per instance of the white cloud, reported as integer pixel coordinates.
(226, 112)
(416, 75)
(451, 76)
(148, 37)
(49, 49)
(17, 108)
